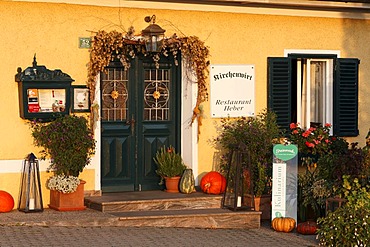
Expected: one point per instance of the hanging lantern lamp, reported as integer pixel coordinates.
(153, 35)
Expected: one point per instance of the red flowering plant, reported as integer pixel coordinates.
(313, 142)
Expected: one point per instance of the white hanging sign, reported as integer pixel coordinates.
(232, 91)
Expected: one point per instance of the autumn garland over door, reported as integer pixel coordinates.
(127, 46)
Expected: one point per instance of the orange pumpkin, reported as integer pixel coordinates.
(6, 202)
(213, 183)
(307, 228)
(283, 224)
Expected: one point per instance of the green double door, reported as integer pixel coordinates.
(140, 112)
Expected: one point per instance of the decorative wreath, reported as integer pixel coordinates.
(106, 46)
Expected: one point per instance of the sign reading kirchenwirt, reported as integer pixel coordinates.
(284, 181)
(232, 90)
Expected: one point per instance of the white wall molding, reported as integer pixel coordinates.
(272, 7)
(16, 166)
(189, 131)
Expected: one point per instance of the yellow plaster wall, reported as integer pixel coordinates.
(52, 30)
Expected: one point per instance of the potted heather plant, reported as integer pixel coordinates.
(256, 134)
(170, 167)
(69, 144)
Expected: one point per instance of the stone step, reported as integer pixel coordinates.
(149, 201)
(163, 209)
(191, 218)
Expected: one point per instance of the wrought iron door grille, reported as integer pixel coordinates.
(156, 95)
(114, 94)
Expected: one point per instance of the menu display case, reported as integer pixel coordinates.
(80, 99)
(43, 94)
(46, 100)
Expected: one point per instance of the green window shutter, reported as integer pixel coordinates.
(279, 90)
(346, 97)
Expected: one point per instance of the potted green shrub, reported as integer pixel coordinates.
(69, 144)
(170, 167)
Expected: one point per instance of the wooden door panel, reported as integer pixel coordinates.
(116, 171)
(148, 177)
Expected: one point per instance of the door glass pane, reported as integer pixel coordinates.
(114, 88)
(156, 94)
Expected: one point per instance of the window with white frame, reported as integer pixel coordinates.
(313, 90)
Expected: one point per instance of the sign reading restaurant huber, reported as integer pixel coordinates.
(232, 90)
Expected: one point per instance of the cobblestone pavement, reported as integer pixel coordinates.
(93, 228)
(121, 236)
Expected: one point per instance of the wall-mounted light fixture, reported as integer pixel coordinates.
(153, 35)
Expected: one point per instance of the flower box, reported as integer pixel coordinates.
(68, 201)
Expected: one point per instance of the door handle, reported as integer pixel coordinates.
(132, 124)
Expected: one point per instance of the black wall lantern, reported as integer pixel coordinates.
(153, 35)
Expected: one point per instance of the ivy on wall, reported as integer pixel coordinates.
(107, 46)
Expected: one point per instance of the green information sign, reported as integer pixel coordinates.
(284, 181)
(285, 152)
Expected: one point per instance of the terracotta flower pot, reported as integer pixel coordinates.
(172, 184)
(68, 202)
(263, 204)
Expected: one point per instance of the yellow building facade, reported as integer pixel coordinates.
(234, 34)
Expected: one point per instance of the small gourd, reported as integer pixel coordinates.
(187, 183)
(283, 224)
